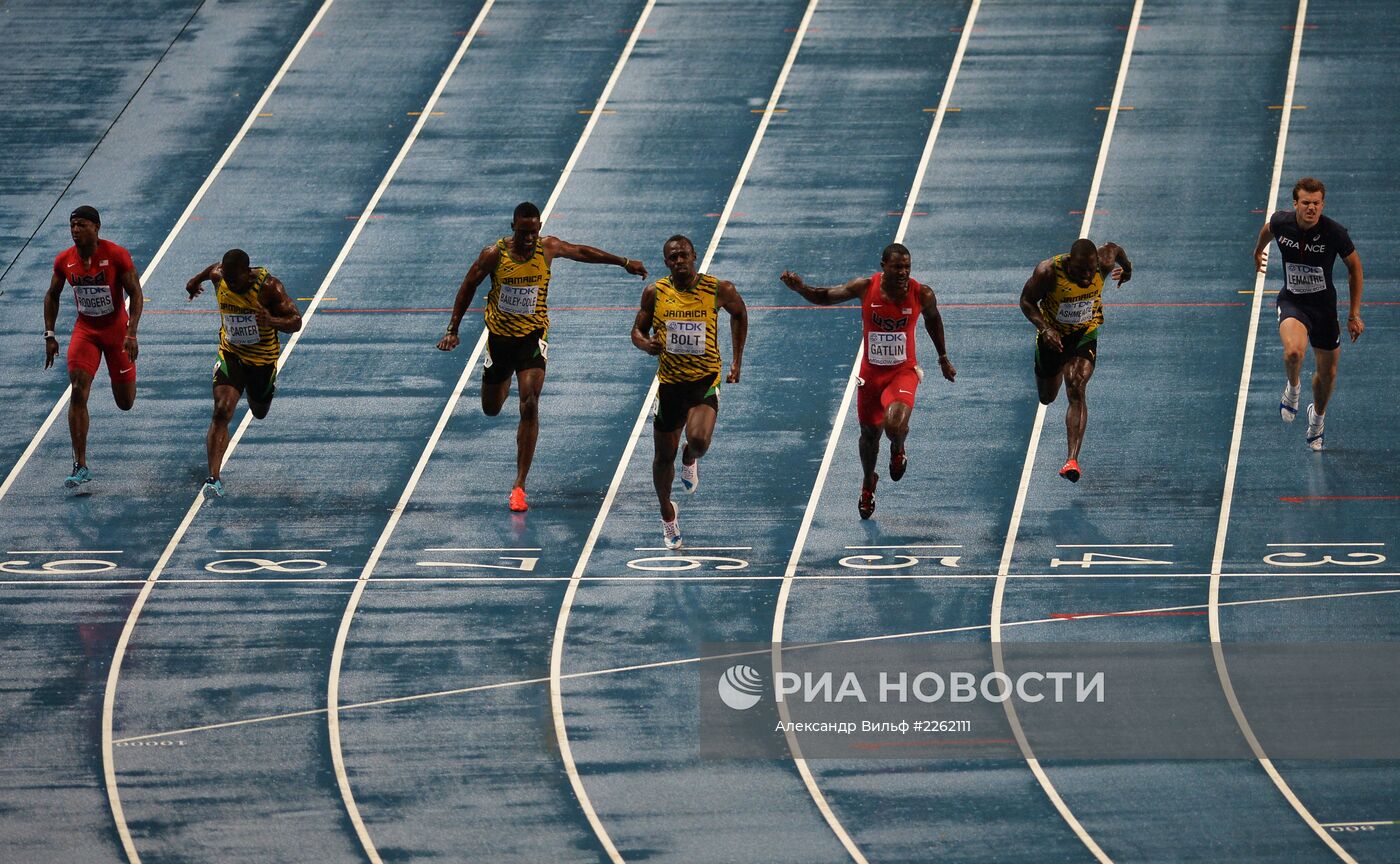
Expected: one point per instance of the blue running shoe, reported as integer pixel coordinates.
(690, 477)
(671, 531)
(79, 476)
(213, 488)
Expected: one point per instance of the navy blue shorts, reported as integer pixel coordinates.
(1324, 328)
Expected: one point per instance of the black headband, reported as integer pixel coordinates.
(86, 212)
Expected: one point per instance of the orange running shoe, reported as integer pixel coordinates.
(517, 500)
(866, 507)
(1070, 471)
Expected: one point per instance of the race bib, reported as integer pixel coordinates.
(241, 329)
(1304, 278)
(685, 337)
(1075, 311)
(94, 300)
(518, 299)
(887, 349)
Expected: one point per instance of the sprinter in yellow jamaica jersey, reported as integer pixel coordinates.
(517, 321)
(1064, 300)
(679, 323)
(253, 309)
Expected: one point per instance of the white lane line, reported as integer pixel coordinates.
(1008, 550)
(693, 549)
(1358, 824)
(1113, 545)
(904, 546)
(688, 661)
(556, 655)
(174, 232)
(470, 362)
(884, 576)
(1239, 421)
(109, 697)
(342, 634)
(819, 483)
(114, 674)
(63, 552)
(265, 551)
(1232, 465)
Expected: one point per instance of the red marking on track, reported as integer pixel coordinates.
(809, 29)
(646, 31)
(901, 213)
(372, 216)
(1124, 27)
(1305, 27)
(1259, 210)
(1161, 613)
(196, 218)
(976, 28)
(737, 214)
(1081, 212)
(955, 742)
(1300, 499)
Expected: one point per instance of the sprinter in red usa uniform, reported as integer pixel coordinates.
(99, 273)
(891, 306)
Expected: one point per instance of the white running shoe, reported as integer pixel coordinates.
(690, 477)
(1288, 404)
(671, 531)
(1315, 421)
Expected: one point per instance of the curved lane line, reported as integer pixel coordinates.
(338, 654)
(1227, 496)
(556, 656)
(999, 593)
(110, 694)
(780, 612)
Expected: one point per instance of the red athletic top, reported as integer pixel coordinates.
(97, 285)
(889, 329)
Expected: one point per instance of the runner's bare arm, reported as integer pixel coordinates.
(933, 323)
(556, 248)
(731, 302)
(642, 335)
(51, 318)
(1261, 248)
(195, 286)
(1355, 280)
(1114, 263)
(132, 285)
(1037, 288)
(826, 296)
(480, 269)
(287, 318)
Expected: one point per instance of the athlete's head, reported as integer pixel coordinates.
(1309, 196)
(238, 272)
(895, 263)
(679, 253)
(525, 224)
(1083, 262)
(83, 224)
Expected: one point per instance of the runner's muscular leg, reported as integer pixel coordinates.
(869, 452)
(531, 382)
(216, 441)
(1077, 371)
(897, 425)
(1294, 336)
(493, 396)
(663, 468)
(1325, 377)
(699, 431)
(78, 413)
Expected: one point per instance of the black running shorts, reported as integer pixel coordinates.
(507, 355)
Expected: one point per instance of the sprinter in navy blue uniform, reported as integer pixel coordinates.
(1307, 304)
